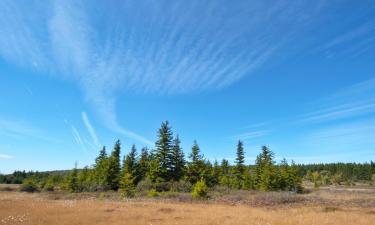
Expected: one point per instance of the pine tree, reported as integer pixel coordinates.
(195, 168)
(101, 170)
(130, 164)
(178, 161)
(72, 180)
(143, 164)
(114, 172)
(164, 150)
(216, 171)
(225, 173)
(240, 167)
(265, 170)
(155, 171)
(127, 187)
(102, 156)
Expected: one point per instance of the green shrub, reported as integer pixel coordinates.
(49, 185)
(181, 186)
(200, 190)
(127, 187)
(29, 185)
(145, 185)
(152, 193)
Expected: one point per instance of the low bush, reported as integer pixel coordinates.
(181, 186)
(29, 185)
(200, 190)
(152, 193)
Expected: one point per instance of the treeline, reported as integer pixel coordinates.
(165, 168)
(338, 173)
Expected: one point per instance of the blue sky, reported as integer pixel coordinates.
(76, 75)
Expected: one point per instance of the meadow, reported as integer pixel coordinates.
(324, 206)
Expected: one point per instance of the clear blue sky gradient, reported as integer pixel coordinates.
(296, 76)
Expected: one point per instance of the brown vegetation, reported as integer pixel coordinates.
(324, 206)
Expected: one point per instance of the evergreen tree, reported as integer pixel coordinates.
(114, 172)
(101, 170)
(240, 167)
(225, 173)
(216, 171)
(155, 171)
(102, 156)
(196, 166)
(130, 165)
(178, 161)
(265, 177)
(72, 180)
(144, 164)
(164, 150)
(127, 187)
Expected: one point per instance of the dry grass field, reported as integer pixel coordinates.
(327, 206)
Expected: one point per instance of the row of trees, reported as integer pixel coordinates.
(166, 164)
(166, 167)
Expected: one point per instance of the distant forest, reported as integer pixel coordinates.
(165, 168)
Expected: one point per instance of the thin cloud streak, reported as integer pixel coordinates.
(4, 156)
(252, 135)
(352, 102)
(18, 130)
(78, 139)
(90, 129)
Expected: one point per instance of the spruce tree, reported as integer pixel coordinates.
(143, 164)
(225, 173)
(178, 161)
(102, 155)
(196, 165)
(101, 170)
(114, 172)
(216, 171)
(130, 164)
(72, 180)
(265, 170)
(164, 150)
(240, 167)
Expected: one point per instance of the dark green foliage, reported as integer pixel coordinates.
(71, 182)
(164, 151)
(29, 185)
(114, 167)
(143, 164)
(177, 160)
(239, 170)
(196, 167)
(130, 165)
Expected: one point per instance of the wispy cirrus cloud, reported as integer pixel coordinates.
(4, 156)
(252, 135)
(179, 47)
(352, 138)
(90, 129)
(354, 101)
(19, 129)
(78, 139)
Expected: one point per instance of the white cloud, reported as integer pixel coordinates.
(78, 139)
(4, 156)
(90, 129)
(19, 129)
(351, 102)
(252, 135)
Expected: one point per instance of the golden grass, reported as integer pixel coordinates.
(22, 208)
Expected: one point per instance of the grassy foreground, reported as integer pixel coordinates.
(325, 207)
